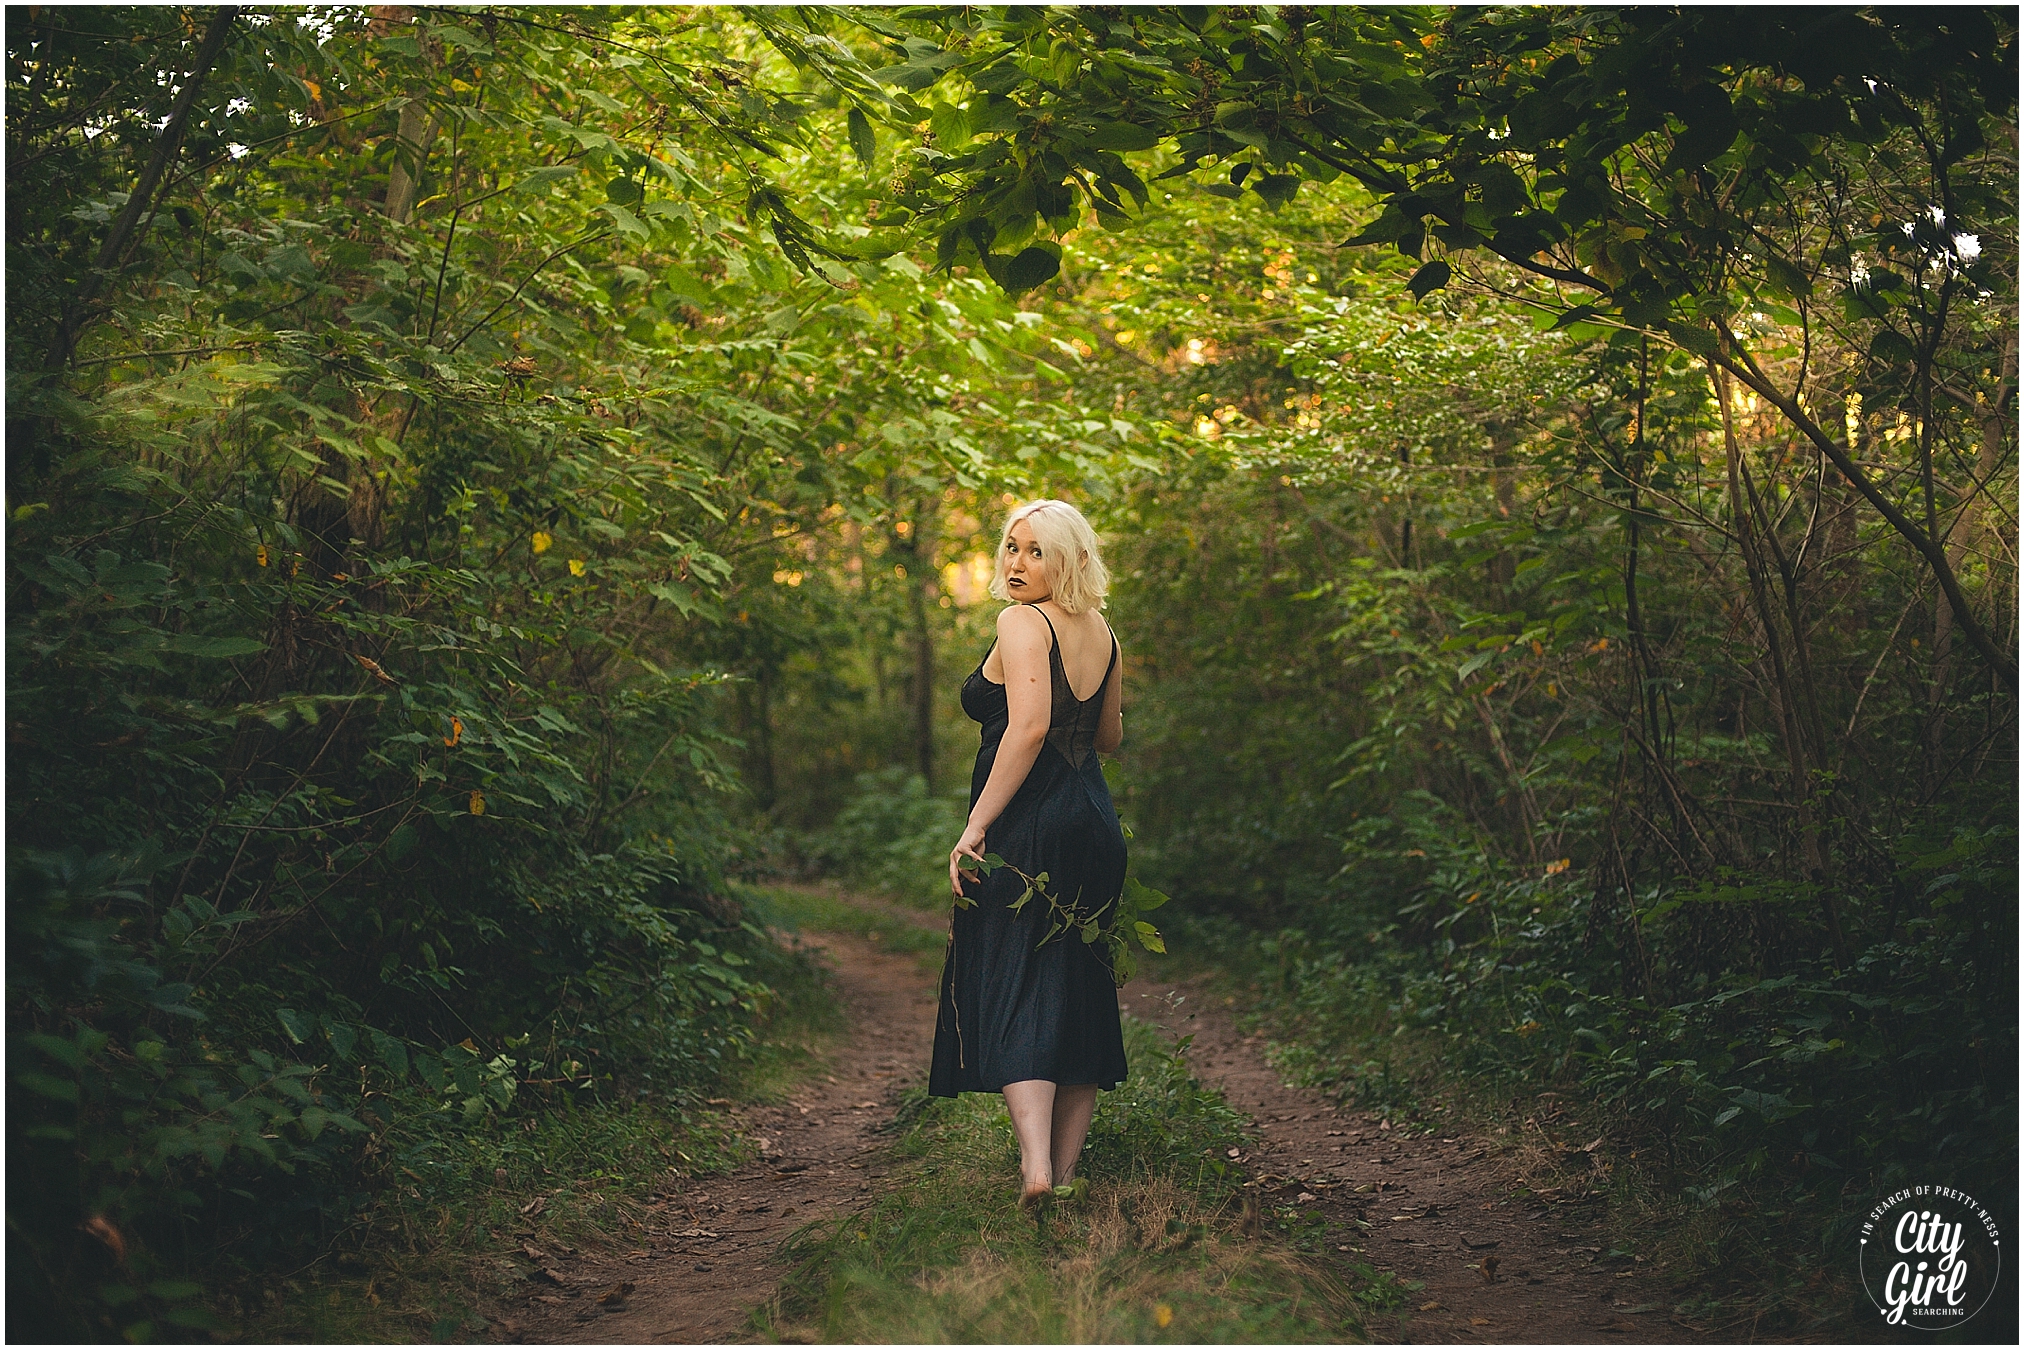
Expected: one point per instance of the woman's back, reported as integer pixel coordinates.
(1085, 644)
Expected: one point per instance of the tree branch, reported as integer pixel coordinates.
(1738, 363)
(125, 231)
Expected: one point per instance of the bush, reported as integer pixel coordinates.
(893, 837)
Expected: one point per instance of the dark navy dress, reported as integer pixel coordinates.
(1012, 1009)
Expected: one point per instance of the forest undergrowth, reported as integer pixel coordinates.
(434, 1249)
(1745, 1253)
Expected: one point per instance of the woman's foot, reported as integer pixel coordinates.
(1035, 1191)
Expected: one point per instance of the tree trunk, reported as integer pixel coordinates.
(417, 132)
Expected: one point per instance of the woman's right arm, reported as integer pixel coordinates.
(1029, 705)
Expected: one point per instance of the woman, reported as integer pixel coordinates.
(1038, 1022)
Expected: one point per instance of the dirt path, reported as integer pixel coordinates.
(1439, 1209)
(709, 1257)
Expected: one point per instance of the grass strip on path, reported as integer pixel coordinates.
(1162, 1250)
(798, 911)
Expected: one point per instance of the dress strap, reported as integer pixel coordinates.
(1050, 628)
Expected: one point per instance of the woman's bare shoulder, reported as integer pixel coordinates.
(1021, 621)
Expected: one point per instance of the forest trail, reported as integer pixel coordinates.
(710, 1251)
(1440, 1209)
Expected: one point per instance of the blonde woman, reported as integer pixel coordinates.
(1038, 1022)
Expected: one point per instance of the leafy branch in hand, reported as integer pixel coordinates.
(1116, 923)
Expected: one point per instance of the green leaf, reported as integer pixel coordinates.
(950, 126)
(343, 1039)
(1121, 136)
(1141, 897)
(1891, 348)
(863, 142)
(1788, 279)
(64, 1051)
(1278, 188)
(623, 191)
(298, 1027)
(391, 1053)
(1693, 338)
(191, 644)
(1390, 226)
(627, 222)
(552, 173)
(1429, 279)
(1711, 127)
(1034, 266)
(44, 1085)
(676, 594)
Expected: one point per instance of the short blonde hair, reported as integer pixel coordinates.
(1069, 547)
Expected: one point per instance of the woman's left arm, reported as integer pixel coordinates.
(1022, 649)
(1110, 725)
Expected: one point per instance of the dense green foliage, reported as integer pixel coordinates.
(481, 481)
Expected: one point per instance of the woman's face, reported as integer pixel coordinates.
(1026, 571)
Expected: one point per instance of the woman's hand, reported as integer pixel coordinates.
(970, 846)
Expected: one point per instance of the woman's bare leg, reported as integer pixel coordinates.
(1074, 1105)
(1031, 1106)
